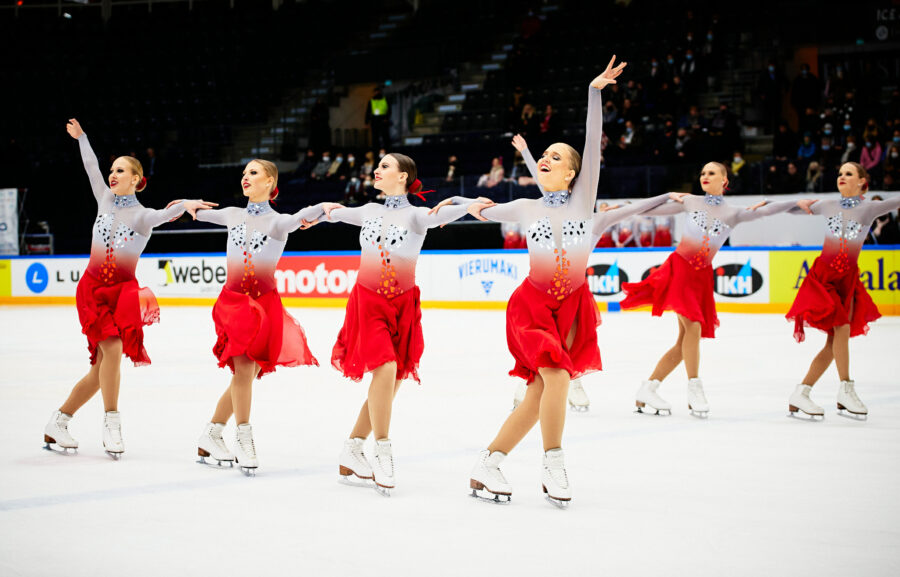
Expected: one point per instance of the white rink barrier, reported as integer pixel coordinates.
(747, 279)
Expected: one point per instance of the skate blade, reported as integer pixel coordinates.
(354, 481)
(61, 450)
(579, 408)
(699, 414)
(487, 496)
(557, 502)
(795, 413)
(656, 413)
(383, 491)
(217, 465)
(853, 416)
(114, 456)
(248, 471)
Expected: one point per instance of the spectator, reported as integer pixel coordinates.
(785, 143)
(664, 148)
(694, 120)
(378, 117)
(368, 166)
(306, 165)
(349, 169)
(806, 90)
(892, 160)
(770, 87)
(871, 131)
(828, 155)
(836, 86)
(809, 121)
(630, 141)
(610, 113)
(333, 172)
(150, 164)
(690, 74)
(495, 176)
(870, 159)
(884, 230)
(683, 146)
(321, 168)
(355, 192)
(549, 128)
(453, 174)
(519, 173)
(851, 151)
(807, 148)
(528, 123)
(814, 177)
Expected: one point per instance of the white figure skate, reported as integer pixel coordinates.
(383, 467)
(554, 479)
(578, 399)
(211, 444)
(697, 402)
(849, 401)
(647, 397)
(801, 403)
(245, 450)
(57, 433)
(487, 481)
(353, 466)
(112, 435)
(519, 395)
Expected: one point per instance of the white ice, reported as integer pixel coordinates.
(746, 492)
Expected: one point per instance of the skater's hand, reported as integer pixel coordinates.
(608, 207)
(519, 143)
(475, 209)
(305, 224)
(609, 75)
(678, 196)
(329, 206)
(438, 206)
(759, 204)
(73, 127)
(806, 204)
(192, 206)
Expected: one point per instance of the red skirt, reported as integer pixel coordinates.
(677, 286)
(261, 329)
(829, 299)
(538, 324)
(377, 331)
(117, 310)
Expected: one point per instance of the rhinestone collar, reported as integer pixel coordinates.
(395, 202)
(258, 208)
(850, 201)
(713, 199)
(556, 198)
(125, 201)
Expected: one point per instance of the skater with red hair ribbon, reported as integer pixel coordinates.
(832, 298)
(254, 332)
(382, 330)
(112, 308)
(684, 282)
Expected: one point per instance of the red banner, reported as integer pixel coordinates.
(316, 276)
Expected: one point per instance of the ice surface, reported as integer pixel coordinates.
(746, 492)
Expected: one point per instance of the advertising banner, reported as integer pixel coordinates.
(322, 276)
(879, 271)
(9, 221)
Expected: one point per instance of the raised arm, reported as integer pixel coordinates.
(91, 166)
(287, 223)
(876, 208)
(585, 189)
(604, 220)
(519, 143)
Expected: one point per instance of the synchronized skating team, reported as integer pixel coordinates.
(551, 318)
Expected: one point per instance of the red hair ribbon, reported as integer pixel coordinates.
(416, 189)
(143, 183)
(273, 195)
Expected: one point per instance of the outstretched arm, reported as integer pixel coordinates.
(149, 218)
(91, 166)
(288, 223)
(352, 216)
(878, 207)
(220, 216)
(506, 212)
(604, 220)
(585, 190)
(768, 209)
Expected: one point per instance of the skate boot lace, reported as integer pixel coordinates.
(385, 462)
(358, 454)
(850, 391)
(218, 440)
(245, 440)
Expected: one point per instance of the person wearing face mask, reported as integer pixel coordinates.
(684, 283)
(851, 150)
(334, 169)
(112, 309)
(349, 168)
(870, 158)
(832, 298)
(321, 168)
(551, 318)
(254, 332)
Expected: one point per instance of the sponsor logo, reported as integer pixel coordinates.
(487, 265)
(605, 279)
(735, 280)
(319, 281)
(37, 278)
(172, 273)
(487, 285)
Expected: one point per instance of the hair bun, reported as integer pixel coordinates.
(142, 184)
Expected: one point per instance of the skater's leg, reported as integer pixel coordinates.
(363, 425)
(224, 408)
(381, 397)
(245, 370)
(84, 389)
(521, 420)
(672, 358)
(820, 363)
(553, 406)
(110, 372)
(690, 347)
(841, 350)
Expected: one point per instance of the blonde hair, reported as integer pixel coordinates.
(135, 165)
(271, 170)
(574, 162)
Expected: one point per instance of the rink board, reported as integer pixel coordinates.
(758, 279)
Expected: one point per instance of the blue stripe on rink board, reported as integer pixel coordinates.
(613, 306)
